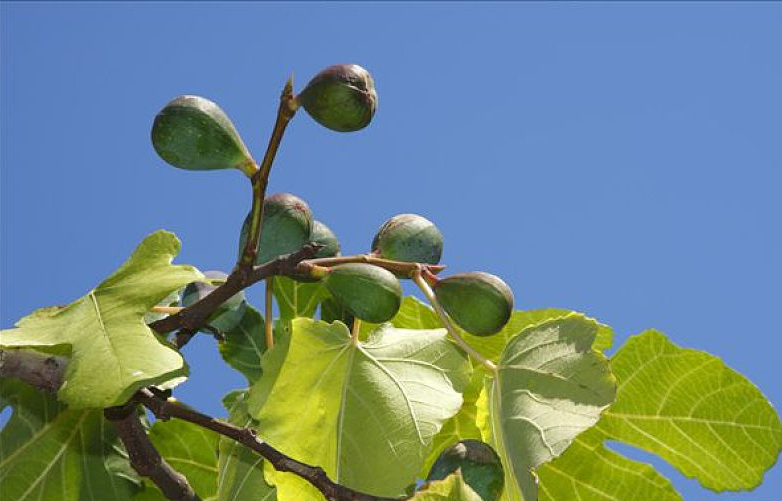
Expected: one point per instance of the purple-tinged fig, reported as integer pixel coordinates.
(287, 224)
(478, 302)
(480, 466)
(229, 314)
(341, 97)
(368, 292)
(410, 238)
(193, 133)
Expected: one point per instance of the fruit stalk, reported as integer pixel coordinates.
(260, 179)
(269, 320)
(429, 293)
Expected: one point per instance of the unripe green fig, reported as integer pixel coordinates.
(480, 466)
(410, 238)
(229, 314)
(341, 97)
(478, 302)
(322, 234)
(369, 292)
(287, 224)
(193, 133)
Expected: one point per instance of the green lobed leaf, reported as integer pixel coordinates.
(589, 471)
(366, 413)
(298, 299)
(549, 387)
(451, 488)
(240, 470)
(189, 449)
(245, 344)
(684, 405)
(51, 453)
(105, 331)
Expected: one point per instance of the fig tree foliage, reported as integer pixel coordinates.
(464, 398)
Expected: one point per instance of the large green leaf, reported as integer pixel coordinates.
(50, 453)
(366, 412)
(451, 488)
(189, 449)
(415, 314)
(298, 299)
(240, 470)
(687, 406)
(113, 353)
(245, 344)
(550, 386)
(589, 471)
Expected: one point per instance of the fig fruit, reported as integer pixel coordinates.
(322, 234)
(193, 133)
(480, 466)
(410, 238)
(341, 97)
(368, 292)
(229, 314)
(478, 302)
(287, 224)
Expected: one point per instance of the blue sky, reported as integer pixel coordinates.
(620, 159)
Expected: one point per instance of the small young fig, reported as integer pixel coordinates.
(410, 238)
(341, 97)
(368, 292)
(193, 133)
(229, 314)
(478, 302)
(480, 466)
(287, 224)
(322, 234)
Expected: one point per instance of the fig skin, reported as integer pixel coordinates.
(228, 315)
(194, 133)
(370, 293)
(410, 238)
(478, 302)
(322, 234)
(480, 466)
(287, 224)
(341, 97)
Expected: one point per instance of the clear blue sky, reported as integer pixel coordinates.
(621, 159)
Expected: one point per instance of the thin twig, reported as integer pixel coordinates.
(400, 268)
(315, 475)
(144, 458)
(260, 180)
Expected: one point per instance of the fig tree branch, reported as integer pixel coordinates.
(315, 475)
(144, 458)
(47, 372)
(192, 318)
(260, 180)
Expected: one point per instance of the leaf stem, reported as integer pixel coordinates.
(269, 318)
(427, 290)
(166, 309)
(260, 178)
(356, 330)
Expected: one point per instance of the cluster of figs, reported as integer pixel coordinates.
(194, 133)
